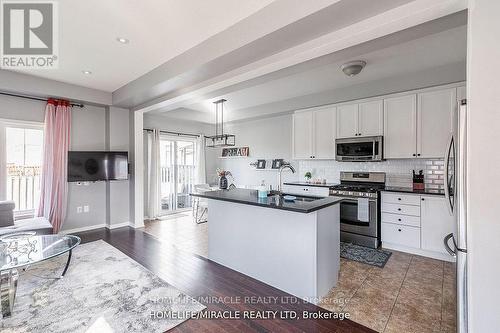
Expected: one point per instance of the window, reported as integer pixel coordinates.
(21, 163)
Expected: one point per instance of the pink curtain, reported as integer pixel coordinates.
(54, 187)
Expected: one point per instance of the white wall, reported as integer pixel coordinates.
(267, 139)
(483, 165)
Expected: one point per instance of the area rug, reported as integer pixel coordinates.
(103, 291)
(366, 255)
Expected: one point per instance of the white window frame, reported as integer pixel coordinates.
(4, 123)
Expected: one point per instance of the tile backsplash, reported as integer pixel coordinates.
(398, 172)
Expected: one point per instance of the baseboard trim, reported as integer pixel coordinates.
(90, 227)
(119, 225)
(420, 252)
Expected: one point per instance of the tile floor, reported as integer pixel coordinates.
(411, 294)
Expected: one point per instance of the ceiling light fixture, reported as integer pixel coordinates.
(353, 67)
(122, 40)
(220, 139)
(87, 72)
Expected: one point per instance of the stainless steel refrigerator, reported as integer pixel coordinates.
(456, 198)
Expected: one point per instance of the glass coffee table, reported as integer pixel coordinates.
(22, 250)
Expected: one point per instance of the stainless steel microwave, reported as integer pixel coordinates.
(361, 149)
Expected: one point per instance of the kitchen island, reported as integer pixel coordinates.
(291, 245)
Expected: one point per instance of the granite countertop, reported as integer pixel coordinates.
(249, 197)
(411, 190)
(310, 184)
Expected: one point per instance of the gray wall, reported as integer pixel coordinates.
(89, 132)
(118, 139)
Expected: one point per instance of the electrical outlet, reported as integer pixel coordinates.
(86, 209)
(79, 209)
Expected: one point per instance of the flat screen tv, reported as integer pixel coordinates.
(89, 166)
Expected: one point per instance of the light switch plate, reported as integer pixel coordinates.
(86, 209)
(79, 209)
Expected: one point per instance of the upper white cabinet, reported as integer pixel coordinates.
(436, 222)
(371, 118)
(434, 121)
(324, 133)
(419, 125)
(347, 121)
(363, 119)
(416, 124)
(400, 137)
(314, 134)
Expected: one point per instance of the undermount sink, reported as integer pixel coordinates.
(297, 197)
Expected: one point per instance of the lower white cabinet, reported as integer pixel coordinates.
(312, 191)
(416, 224)
(436, 223)
(401, 234)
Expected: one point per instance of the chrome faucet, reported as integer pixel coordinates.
(283, 167)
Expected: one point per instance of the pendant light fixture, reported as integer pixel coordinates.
(220, 139)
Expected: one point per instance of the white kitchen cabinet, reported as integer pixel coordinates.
(416, 224)
(314, 134)
(461, 93)
(436, 222)
(371, 118)
(347, 121)
(302, 135)
(312, 191)
(324, 133)
(363, 119)
(400, 137)
(434, 121)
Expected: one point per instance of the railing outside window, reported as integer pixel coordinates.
(23, 187)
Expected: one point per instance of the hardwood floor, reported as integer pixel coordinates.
(205, 280)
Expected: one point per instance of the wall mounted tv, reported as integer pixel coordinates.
(91, 166)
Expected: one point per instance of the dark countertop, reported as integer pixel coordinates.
(310, 184)
(249, 197)
(411, 190)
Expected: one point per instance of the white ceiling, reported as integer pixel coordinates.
(157, 30)
(432, 51)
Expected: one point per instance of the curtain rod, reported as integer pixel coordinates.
(37, 98)
(175, 133)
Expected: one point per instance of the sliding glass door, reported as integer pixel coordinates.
(177, 164)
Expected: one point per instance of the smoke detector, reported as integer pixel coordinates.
(353, 67)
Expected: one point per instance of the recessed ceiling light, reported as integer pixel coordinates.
(122, 40)
(87, 72)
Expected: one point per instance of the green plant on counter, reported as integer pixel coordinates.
(308, 175)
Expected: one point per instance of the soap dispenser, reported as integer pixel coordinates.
(262, 190)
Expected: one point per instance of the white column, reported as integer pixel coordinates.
(137, 193)
(483, 95)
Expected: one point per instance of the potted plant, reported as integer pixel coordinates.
(223, 174)
(308, 176)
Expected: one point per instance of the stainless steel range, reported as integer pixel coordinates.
(360, 211)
